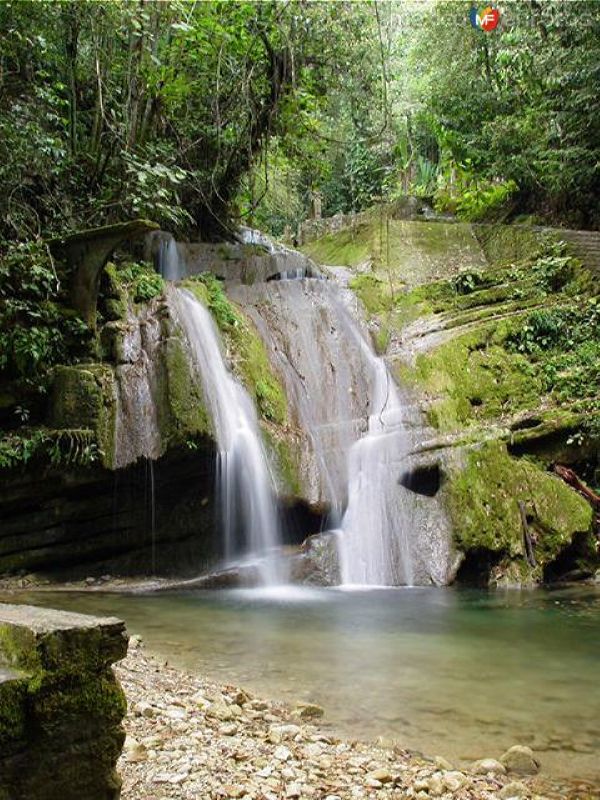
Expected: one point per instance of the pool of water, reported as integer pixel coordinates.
(459, 673)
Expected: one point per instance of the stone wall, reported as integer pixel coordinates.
(404, 208)
(60, 705)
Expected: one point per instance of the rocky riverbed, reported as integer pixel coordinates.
(190, 738)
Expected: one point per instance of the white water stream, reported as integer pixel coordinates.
(247, 499)
(377, 524)
(359, 432)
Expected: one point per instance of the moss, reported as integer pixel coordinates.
(83, 397)
(186, 415)
(483, 498)
(373, 292)
(245, 348)
(472, 378)
(250, 362)
(13, 718)
(285, 448)
(96, 695)
(508, 244)
(347, 248)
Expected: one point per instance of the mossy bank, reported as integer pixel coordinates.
(499, 341)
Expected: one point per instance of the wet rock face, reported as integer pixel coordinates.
(318, 563)
(60, 705)
(74, 523)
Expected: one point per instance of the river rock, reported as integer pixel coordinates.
(513, 790)
(282, 753)
(134, 751)
(454, 780)
(443, 763)
(382, 775)
(308, 710)
(520, 759)
(486, 765)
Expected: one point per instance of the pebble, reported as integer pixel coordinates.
(282, 754)
(488, 765)
(188, 738)
(514, 789)
(381, 775)
(308, 710)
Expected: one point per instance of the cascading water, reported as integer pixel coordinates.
(249, 512)
(360, 432)
(170, 265)
(376, 526)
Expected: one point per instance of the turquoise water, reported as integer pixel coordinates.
(459, 673)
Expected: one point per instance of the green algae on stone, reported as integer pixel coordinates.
(245, 349)
(408, 252)
(84, 396)
(472, 378)
(13, 717)
(185, 414)
(508, 244)
(483, 496)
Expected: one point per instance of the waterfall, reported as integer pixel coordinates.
(170, 265)
(376, 527)
(360, 430)
(247, 500)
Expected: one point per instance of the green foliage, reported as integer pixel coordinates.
(159, 109)
(142, 281)
(516, 109)
(58, 447)
(216, 300)
(468, 282)
(37, 328)
(470, 198)
(564, 344)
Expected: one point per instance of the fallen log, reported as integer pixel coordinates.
(570, 477)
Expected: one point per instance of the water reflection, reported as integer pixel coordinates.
(465, 674)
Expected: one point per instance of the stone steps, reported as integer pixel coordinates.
(585, 245)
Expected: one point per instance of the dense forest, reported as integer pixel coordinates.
(299, 376)
(201, 115)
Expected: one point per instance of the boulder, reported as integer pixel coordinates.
(60, 705)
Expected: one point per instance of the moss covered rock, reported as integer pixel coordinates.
(85, 397)
(485, 487)
(61, 712)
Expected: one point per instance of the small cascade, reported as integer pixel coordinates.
(377, 525)
(169, 262)
(249, 512)
(360, 430)
(290, 264)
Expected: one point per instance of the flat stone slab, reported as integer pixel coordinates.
(33, 638)
(48, 620)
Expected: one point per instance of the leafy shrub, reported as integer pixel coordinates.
(217, 301)
(65, 447)
(468, 282)
(542, 330)
(142, 281)
(468, 197)
(564, 345)
(37, 328)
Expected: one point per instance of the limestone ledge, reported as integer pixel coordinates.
(60, 704)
